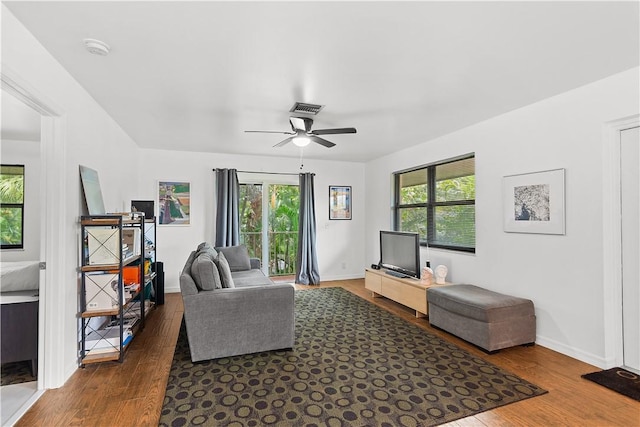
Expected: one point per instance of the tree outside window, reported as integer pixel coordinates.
(12, 206)
(438, 202)
(282, 207)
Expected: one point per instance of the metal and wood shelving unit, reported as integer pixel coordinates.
(118, 283)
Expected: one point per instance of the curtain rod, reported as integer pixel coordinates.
(269, 173)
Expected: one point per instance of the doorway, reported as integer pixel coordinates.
(20, 177)
(53, 228)
(615, 317)
(269, 215)
(630, 244)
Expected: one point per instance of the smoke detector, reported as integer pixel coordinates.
(97, 47)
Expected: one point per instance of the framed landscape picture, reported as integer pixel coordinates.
(534, 202)
(339, 202)
(174, 201)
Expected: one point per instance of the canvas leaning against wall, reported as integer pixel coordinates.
(174, 201)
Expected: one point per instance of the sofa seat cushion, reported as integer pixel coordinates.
(205, 273)
(248, 278)
(478, 303)
(237, 257)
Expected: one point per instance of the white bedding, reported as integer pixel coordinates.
(19, 276)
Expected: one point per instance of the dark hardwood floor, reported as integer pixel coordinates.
(131, 393)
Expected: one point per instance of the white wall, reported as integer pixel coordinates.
(92, 138)
(563, 275)
(26, 153)
(338, 241)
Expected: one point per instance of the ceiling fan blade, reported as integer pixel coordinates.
(333, 131)
(321, 141)
(269, 131)
(301, 123)
(284, 142)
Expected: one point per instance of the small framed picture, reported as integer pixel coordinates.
(144, 206)
(339, 202)
(534, 202)
(174, 202)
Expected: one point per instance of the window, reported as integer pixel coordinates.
(438, 202)
(12, 206)
(272, 237)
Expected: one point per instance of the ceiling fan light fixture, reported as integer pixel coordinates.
(301, 141)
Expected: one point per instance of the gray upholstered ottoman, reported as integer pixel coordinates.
(485, 318)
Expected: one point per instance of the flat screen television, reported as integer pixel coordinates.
(400, 252)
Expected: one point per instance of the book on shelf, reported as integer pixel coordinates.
(132, 238)
(108, 337)
(103, 245)
(134, 308)
(101, 291)
(127, 322)
(96, 351)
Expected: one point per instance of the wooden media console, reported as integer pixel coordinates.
(409, 292)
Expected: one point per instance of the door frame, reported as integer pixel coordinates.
(52, 228)
(612, 241)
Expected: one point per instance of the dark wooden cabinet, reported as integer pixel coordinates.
(20, 333)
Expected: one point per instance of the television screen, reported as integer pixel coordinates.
(400, 251)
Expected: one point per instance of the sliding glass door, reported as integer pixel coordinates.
(269, 225)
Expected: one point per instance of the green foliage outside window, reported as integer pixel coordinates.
(438, 202)
(250, 208)
(283, 216)
(11, 206)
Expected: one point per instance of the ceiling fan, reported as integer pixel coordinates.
(302, 134)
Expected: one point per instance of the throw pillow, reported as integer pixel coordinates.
(205, 273)
(237, 257)
(210, 252)
(225, 271)
(206, 248)
(203, 245)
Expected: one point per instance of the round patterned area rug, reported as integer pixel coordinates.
(353, 364)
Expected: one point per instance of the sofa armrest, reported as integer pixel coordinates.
(232, 321)
(255, 263)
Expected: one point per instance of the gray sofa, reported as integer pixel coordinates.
(231, 307)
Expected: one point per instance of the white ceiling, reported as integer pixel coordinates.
(194, 75)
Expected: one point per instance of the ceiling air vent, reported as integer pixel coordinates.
(302, 108)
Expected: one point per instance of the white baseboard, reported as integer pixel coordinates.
(575, 353)
(352, 276)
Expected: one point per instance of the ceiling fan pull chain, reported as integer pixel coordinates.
(301, 158)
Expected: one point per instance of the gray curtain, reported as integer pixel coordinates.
(307, 260)
(227, 214)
